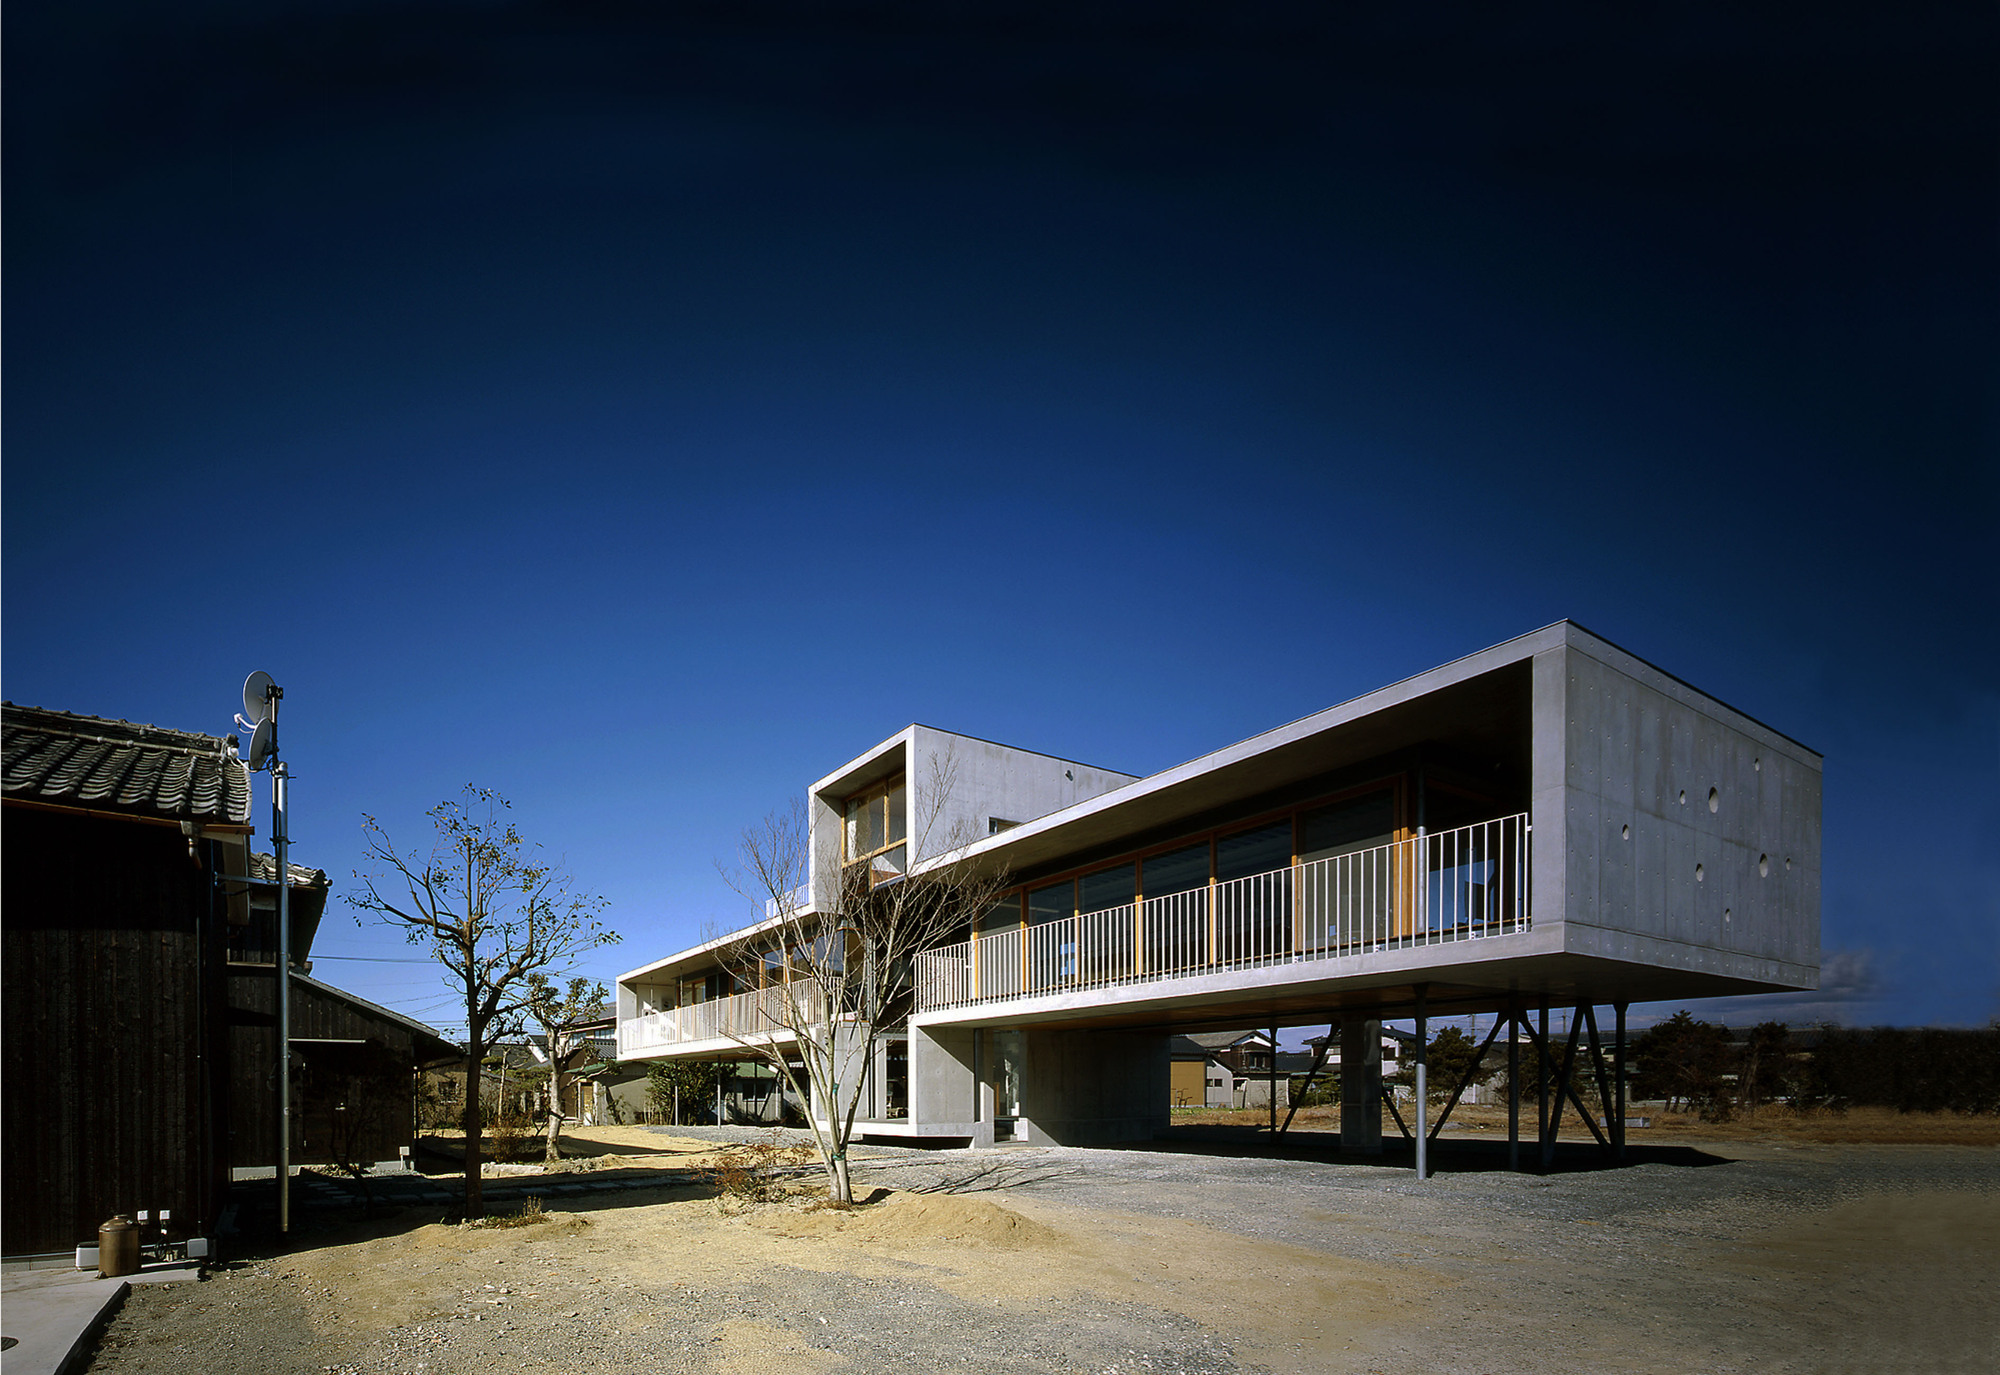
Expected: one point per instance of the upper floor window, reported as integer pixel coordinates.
(877, 827)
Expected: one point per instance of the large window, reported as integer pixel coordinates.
(1349, 878)
(1175, 885)
(877, 829)
(1107, 934)
(1052, 934)
(1318, 876)
(1253, 918)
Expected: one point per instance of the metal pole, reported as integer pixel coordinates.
(282, 843)
(1423, 1085)
(1274, 1081)
(1513, 1087)
(1547, 1067)
(1618, 1082)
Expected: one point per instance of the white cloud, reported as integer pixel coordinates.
(1850, 993)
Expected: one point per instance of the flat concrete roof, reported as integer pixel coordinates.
(1478, 695)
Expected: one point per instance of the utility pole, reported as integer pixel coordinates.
(261, 695)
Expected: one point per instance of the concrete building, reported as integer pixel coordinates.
(1549, 821)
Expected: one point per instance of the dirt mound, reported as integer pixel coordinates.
(906, 1219)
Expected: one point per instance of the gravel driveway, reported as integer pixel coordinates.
(1816, 1258)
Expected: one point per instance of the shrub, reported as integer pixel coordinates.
(755, 1172)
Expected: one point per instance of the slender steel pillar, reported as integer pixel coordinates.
(1423, 1086)
(1545, 1149)
(1274, 1082)
(1618, 1083)
(1513, 1086)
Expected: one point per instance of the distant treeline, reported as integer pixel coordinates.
(1701, 1065)
(1910, 1069)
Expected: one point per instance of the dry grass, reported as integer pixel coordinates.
(531, 1212)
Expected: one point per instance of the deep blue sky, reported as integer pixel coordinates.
(642, 416)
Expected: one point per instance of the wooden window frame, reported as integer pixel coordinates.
(865, 797)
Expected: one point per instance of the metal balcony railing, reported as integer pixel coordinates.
(754, 1015)
(1463, 884)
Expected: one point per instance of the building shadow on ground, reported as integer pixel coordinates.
(1448, 1155)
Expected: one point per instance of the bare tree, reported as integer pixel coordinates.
(559, 1016)
(490, 912)
(833, 975)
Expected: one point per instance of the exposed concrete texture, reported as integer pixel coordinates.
(1690, 834)
(1360, 1086)
(945, 1085)
(989, 781)
(1094, 1087)
(983, 782)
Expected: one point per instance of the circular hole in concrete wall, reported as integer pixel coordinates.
(1684, 797)
(1624, 832)
(1714, 800)
(1763, 866)
(1697, 873)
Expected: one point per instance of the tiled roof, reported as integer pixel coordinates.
(89, 762)
(265, 866)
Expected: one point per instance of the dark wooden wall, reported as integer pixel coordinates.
(111, 1036)
(321, 1075)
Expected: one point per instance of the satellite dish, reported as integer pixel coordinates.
(257, 704)
(261, 745)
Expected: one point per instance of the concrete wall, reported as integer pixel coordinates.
(989, 780)
(945, 1088)
(1254, 1091)
(1082, 1088)
(1691, 834)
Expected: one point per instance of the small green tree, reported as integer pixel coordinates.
(1450, 1053)
(672, 1085)
(1684, 1062)
(1765, 1071)
(560, 1016)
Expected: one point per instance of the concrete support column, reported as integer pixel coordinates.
(1360, 1086)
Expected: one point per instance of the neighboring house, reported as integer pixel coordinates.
(1197, 1076)
(1232, 1069)
(1551, 820)
(140, 965)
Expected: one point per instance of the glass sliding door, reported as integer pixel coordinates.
(1105, 927)
(1175, 888)
(1052, 936)
(1253, 894)
(1009, 1063)
(1349, 876)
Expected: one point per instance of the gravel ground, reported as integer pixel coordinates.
(1821, 1258)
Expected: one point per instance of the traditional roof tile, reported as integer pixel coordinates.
(91, 763)
(265, 866)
